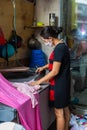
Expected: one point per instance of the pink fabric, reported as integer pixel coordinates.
(28, 90)
(29, 117)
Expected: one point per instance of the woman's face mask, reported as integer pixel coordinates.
(49, 43)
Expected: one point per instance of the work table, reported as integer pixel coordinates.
(27, 79)
(47, 114)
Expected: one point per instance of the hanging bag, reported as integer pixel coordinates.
(2, 41)
(2, 38)
(15, 40)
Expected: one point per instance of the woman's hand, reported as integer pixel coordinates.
(39, 69)
(33, 83)
(42, 68)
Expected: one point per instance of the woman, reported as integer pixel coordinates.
(58, 76)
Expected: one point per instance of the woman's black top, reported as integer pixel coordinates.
(59, 93)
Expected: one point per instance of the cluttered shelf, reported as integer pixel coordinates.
(53, 21)
(33, 27)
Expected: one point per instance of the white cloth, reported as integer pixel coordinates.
(11, 126)
(25, 88)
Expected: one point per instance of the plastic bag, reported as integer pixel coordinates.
(77, 127)
(74, 124)
(73, 120)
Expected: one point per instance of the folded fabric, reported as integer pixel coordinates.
(28, 90)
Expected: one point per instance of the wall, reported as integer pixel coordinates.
(44, 7)
(24, 17)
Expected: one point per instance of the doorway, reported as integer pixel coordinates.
(74, 22)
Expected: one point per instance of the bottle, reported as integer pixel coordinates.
(52, 19)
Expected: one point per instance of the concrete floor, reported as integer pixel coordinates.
(53, 126)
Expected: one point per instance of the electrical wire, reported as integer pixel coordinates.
(14, 28)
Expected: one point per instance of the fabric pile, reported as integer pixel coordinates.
(29, 117)
(78, 122)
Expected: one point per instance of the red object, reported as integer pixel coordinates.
(51, 95)
(2, 39)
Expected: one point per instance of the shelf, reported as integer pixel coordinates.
(15, 69)
(33, 27)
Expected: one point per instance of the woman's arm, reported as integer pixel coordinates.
(42, 68)
(51, 74)
(45, 66)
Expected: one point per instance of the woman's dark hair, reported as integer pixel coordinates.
(51, 31)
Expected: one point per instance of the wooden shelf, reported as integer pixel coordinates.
(15, 69)
(33, 27)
